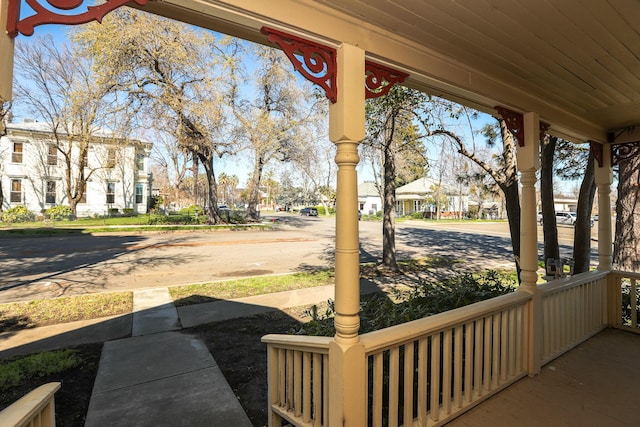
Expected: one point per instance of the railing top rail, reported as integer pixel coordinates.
(25, 408)
(627, 274)
(394, 335)
(570, 282)
(298, 342)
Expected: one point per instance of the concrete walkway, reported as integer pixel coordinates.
(153, 374)
(160, 376)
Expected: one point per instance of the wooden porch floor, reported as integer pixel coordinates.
(595, 384)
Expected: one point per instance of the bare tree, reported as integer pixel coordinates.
(501, 166)
(270, 120)
(60, 86)
(392, 134)
(166, 67)
(5, 114)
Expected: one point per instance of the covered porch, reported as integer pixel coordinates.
(591, 385)
(562, 68)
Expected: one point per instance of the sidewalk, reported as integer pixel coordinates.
(158, 374)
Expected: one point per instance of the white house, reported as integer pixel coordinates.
(33, 170)
(419, 196)
(369, 201)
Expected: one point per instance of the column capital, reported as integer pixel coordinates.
(346, 115)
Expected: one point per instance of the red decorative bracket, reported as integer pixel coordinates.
(514, 122)
(380, 79)
(621, 152)
(316, 62)
(46, 16)
(597, 149)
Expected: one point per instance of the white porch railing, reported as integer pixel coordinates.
(298, 376)
(573, 310)
(427, 372)
(624, 300)
(36, 408)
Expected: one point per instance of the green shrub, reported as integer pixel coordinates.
(18, 214)
(380, 311)
(320, 210)
(59, 213)
(192, 210)
(417, 215)
(113, 212)
(127, 212)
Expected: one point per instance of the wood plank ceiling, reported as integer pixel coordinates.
(581, 55)
(575, 62)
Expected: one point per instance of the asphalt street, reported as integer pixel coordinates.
(44, 267)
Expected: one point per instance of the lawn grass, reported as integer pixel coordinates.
(200, 293)
(20, 369)
(30, 314)
(105, 223)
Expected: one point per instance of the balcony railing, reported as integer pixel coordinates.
(429, 371)
(36, 408)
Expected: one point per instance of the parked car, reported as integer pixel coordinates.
(309, 211)
(565, 218)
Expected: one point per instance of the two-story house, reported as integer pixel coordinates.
(34, 170)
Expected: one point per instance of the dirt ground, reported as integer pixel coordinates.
(242, 357)
(72, 400)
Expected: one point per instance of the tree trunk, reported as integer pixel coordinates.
(254, 185)
(582, 227)
(626, 253)
(512, 202)
(212, 203)
(549, 226)
(194, 173)
(388, 219)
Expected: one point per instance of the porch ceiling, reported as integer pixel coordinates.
(576, 63)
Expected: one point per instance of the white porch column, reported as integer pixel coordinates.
(528, 158)
(604, 179)
(347, 394)
(6, 55)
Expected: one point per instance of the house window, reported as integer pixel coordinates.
(140, 162)
(111, 158)
(139, 194)
(16, 191)
(50, 196)
(417, 205)
(16, 155)
(52, 155)
(111, 192)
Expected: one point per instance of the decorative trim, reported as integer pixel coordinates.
(45, 16)
(544, 127)
(316, 62)
(514, 122)
(621, 152)
(380, 79)
(597, 149)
